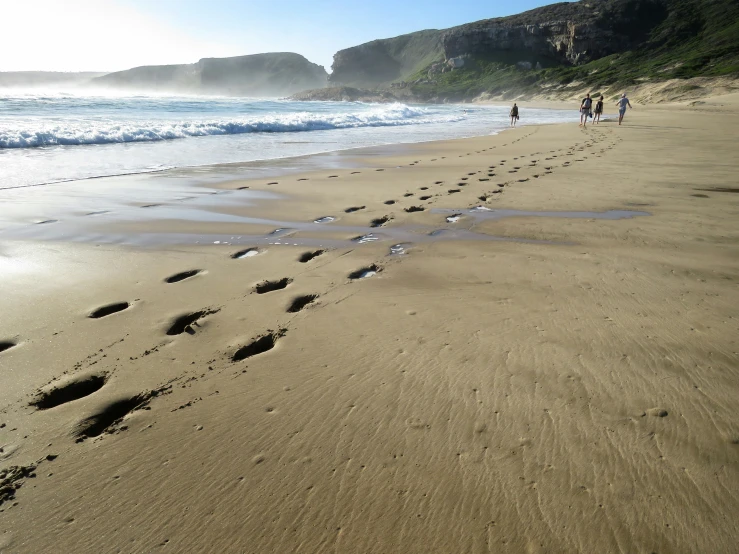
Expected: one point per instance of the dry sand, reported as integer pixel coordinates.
(575, 395)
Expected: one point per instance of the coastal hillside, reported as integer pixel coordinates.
(552, 50)
(272, 74)
(32, 79)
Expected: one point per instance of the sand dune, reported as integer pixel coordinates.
(570, 387)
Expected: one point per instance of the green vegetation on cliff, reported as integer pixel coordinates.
(692, 38)
(596, 44)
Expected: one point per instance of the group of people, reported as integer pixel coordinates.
(586, 110)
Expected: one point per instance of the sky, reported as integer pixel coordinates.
(111, 35)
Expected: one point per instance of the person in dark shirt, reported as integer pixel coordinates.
(598, 110)
(514, 115)
(585, 107)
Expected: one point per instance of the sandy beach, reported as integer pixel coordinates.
(554, 369)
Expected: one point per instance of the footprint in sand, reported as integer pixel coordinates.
(305, 257)
(365, 272)
(355, 172)
(273, 183)
(333, 176)
(177, 277)
(68, 390)
(453, 191)
(7, 345)
(184, 323)
(483, 179)
(412, 209)
(428, 197)
(354, 209)
(439, 182)
(303, 179)
(325, 219)
(389, 202)
(407, 194)
(423, 188)
(112, 413)
(259, 345)
(248, 253)
(380, 221)
(301, 302)
(109, 309)
(270, 286)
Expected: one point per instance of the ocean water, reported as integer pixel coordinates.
(53, 137)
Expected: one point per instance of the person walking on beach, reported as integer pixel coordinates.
(514, 115)
(622, 103)
(598, 110)
(585, 106)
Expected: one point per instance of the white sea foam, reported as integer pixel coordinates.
(40, 131)
(36, 133)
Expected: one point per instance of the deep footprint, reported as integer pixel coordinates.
(301, 302)
(380, 221)
(269, 286)
(6, 345)
(112, 413)
(305, 257)
(184, 323)
(259, 345)
(412, 209)
(110, 309)
(176, 278)
(69, 391)
(354, 209)
(365, 272)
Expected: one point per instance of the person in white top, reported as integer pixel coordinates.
(622, 103)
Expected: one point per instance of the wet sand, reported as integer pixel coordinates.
(571, 388)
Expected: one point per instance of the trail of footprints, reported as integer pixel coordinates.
(110, 417)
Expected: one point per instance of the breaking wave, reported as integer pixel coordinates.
(81, 132)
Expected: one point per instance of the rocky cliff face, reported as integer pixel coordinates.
(564, 33)
(273, 74)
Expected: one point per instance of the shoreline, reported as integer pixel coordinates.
(388, 141)
(566, 389)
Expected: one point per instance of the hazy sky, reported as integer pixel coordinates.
(109, 35)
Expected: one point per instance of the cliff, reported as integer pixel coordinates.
(593, 43)
(273, 74)
(386, 60)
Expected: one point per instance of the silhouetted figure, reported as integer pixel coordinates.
(514, 115)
